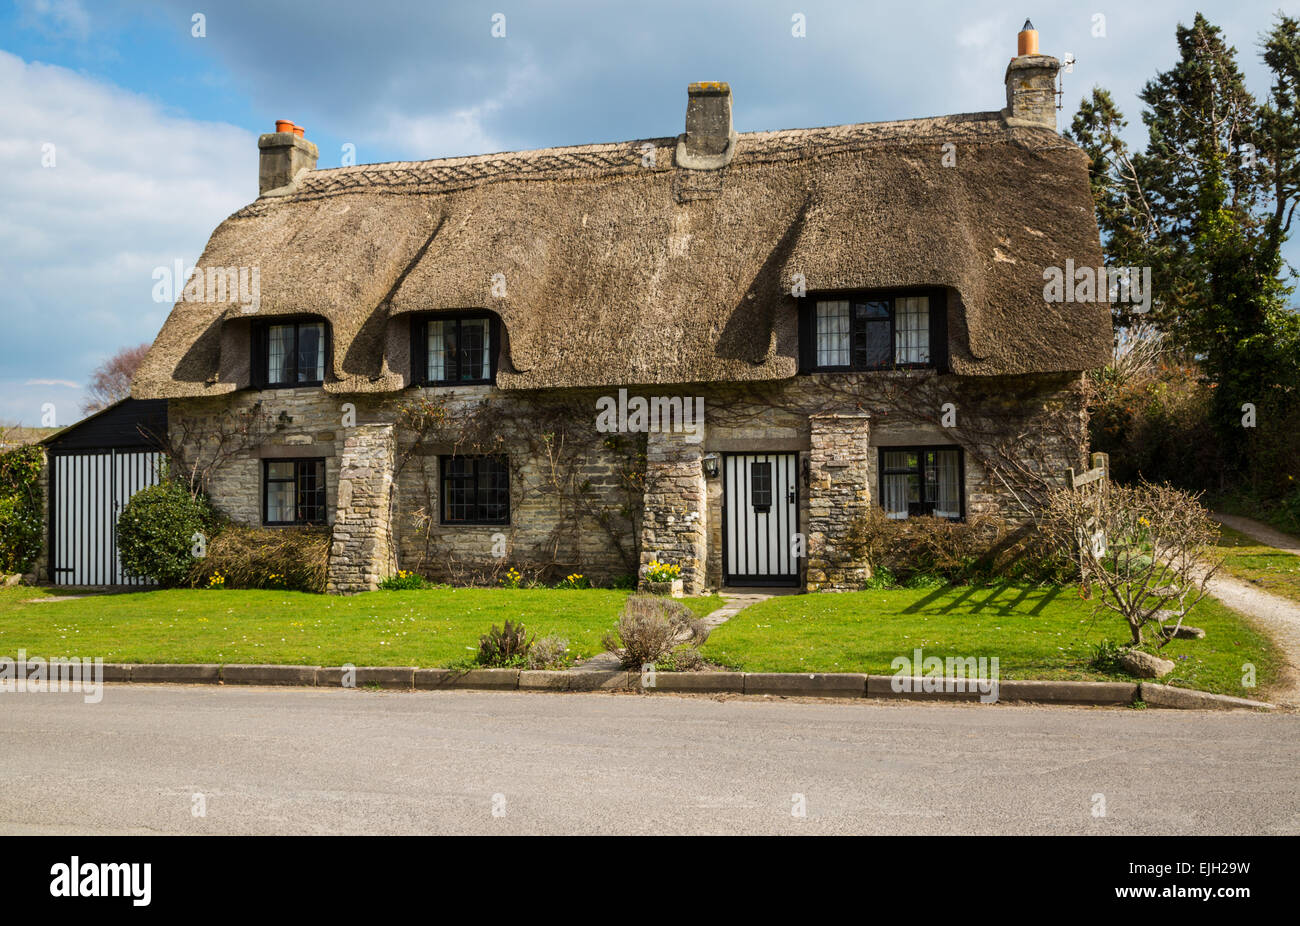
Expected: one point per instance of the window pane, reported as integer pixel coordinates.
(475, 489)
(311, 491)
(279, 341)
(279, 501)
(458, 489)
(912, 329)
(279, 470)
(832, 334)
(437, 347)
(895, 495)
(311, 353)
(475, 357)
(760, 485)
(870, 342)
(947, 486)
(494, 489)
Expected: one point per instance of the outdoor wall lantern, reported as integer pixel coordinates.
(710, 461)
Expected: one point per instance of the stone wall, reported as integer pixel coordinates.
(674, 529)
(578, 503)
(361, 553)
(840, 462)
(570, 509)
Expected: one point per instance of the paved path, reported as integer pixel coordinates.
(334, 761)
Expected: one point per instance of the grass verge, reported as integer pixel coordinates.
(1269, 569)
(427, 628)
(1036, 633)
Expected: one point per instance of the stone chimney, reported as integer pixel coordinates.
(1031, 83)
(284, 154)
(709, 141)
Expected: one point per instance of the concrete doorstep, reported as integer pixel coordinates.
(774, 684)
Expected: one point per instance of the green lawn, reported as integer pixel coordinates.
(1038, 633)
(430, 627)
(1272, 570)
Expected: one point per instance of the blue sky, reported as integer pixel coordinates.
(154, 130)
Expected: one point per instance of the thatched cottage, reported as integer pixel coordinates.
(472, 364)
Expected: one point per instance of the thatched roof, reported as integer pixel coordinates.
(617, 272)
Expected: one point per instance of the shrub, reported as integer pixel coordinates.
(292, 558)
(504, 648)
(155, 532)
(548, 653)
(649, 627)
(682, 659)
(21, 519)
(20, 534)
(930, 551)
(402, 580)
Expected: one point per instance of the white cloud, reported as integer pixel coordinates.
(132, 187)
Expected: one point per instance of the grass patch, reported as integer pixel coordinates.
(1036, 633)
(428, 628)
(1269, 569)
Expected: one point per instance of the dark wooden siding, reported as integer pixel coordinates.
(126, 424)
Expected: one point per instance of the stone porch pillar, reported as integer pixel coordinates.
(361, 552)
(839, 491)
(673, 522)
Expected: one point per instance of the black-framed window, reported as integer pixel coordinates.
(449, 350)
(475, 490)
(293, 492)
(873, 331)
(288, 353)
(760, 486)
(923, 480)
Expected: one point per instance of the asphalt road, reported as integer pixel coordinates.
(345, 762)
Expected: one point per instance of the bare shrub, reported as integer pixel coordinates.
(1149, 548)
(958, 551)
(549, 653)
(253, 557)
(649, 627)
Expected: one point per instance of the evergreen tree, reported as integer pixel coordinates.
(1208, 205)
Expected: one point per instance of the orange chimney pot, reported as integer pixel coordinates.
(1027, 40)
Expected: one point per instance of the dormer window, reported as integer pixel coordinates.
(872, 332)
(454, 350)
(290, 353)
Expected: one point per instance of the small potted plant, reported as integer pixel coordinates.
(663, 579)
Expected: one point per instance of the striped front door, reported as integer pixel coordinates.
(760, 516)
(89, 492)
